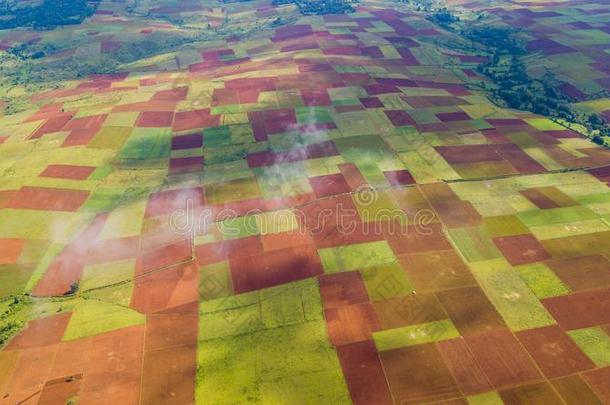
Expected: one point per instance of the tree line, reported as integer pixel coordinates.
(320, 7)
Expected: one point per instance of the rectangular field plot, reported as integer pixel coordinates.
(284, 352)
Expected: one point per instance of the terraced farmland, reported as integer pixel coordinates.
(300, 210)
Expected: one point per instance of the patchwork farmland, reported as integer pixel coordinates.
(306, 209)
(569, 39)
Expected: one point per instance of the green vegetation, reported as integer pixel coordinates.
(595, 343)
(511, 297)
(48, 15)
(267, 346)
(92, 317)
(8, 329)
(520, 91)
(9, 326)
(29, 68)
(413, 335)
(541, 280)
(29, 50)
(357, 256)
(499, 39)
(515, 88)
(154, 45)
(487, 398)
(443, 17)
(512, 85)
(320, 7)
(74, 287)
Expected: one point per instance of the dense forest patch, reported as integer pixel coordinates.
(46, 14)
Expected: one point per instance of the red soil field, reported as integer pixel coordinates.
(113, 375)
(187, 141)
(502, 358)
(60, 390)
(41, 332)
(376, 89)
(412, 201)
(186, 165)
(431, 382)
(164, 256)
(177, 94)
(312, 151)
(521, 249)
(170, 357)
(414, 239)
(364, 374)
(169, 375)
(565, 359)
(399, 177)
(284, 240)
(335, 222)
(294, 31)
(468, 154)
(277, 267)
(450, 271)
(342, 289)
(80, 137)
(159, 291)
(399, 117)
(539, 393)
(594, 272)
(457, 214)
(315, 97)
(539, 199)
(67, 267)
(470, 310)
(51, 199)
(188, 120)
(351, 323)
(517, 158)
(408, 310)
(468, 375)
(574, 390)
(68, 172)
(51, 125)
(352, 175)
(219, 251)
(166, 330)
(371, 102)
(109, 250)
(324, 186)
(434, 101)
(167, 202)
(155, 119)
(602, 173)
(581, 309)
(453, 116)
(91, 122)
(31, 371)
(10, 250)
(599, 380)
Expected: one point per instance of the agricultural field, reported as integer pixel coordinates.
(232, 203)
(571, 39)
